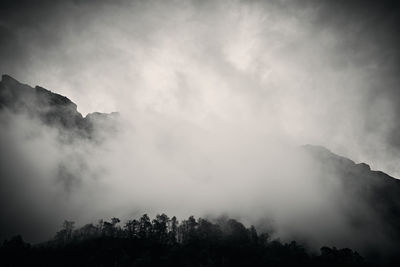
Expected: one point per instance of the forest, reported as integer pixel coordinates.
(165, 241)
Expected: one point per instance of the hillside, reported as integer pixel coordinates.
(366, 201)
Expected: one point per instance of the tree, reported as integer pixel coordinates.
(208, 232)
(160, 228)
(109, 228)
(144, 227)
(187, 230)
(131, 228)
(253, 235)
(65, 234)
(86, 231)
(235, 232)
(173, 230)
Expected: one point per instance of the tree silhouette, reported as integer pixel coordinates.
(65, 234)
(166, 242)
(160, 228)
(145, 227)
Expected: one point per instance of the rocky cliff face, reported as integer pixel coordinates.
(51, 108)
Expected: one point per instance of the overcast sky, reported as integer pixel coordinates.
(322, 72)
(207, 90)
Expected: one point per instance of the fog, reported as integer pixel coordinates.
(214, 99)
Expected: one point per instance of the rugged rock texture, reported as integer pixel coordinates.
(51, 108)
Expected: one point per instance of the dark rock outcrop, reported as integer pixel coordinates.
(52, 109)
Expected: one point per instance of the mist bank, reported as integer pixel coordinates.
(319, 72)
(145, 162)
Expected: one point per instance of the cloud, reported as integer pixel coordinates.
(210, 94)
(323, 69)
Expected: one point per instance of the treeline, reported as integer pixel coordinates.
(165, 241)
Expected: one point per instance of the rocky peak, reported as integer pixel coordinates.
(6, 79)
(52, 109)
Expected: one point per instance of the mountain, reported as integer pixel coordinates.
(379, 190)
(368, 199)
(50, 108)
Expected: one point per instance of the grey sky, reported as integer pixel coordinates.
(319, 71)
(212, 95)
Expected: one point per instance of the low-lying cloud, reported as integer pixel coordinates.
(213, 96)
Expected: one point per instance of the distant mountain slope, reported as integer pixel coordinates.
(359, 177)
(51, 108)
(374, 195)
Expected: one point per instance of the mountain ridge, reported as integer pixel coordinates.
(51, 108)
(370, 198)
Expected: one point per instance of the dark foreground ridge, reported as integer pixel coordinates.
(165, 241)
